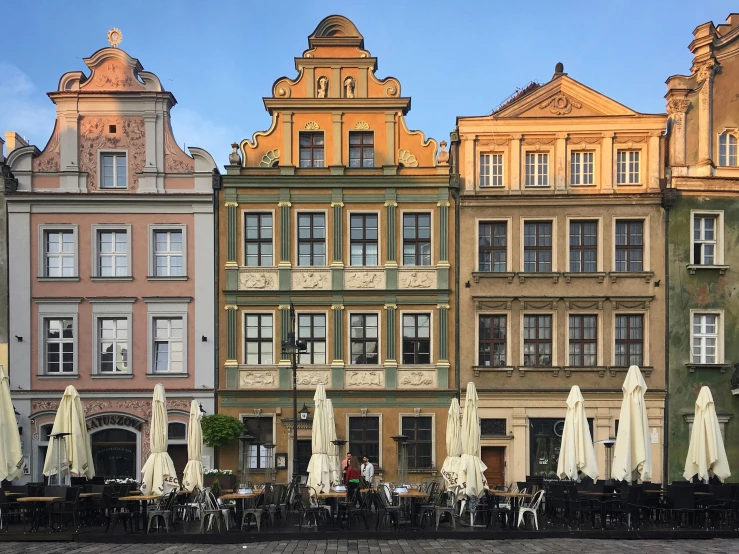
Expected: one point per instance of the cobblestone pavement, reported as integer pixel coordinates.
(445, 546)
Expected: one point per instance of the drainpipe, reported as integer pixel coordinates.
(217, 183)
(454, 189)
(669, 196)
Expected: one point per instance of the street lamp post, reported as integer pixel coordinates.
(294, 348)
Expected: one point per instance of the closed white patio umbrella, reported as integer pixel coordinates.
(632, 457)
(70, 418)
(158, 476)
(450, 469)
(472, 470)
(576, 454)
(333, 450)
(192, 477)
(706, 453)
(319, 470)
(11, 456)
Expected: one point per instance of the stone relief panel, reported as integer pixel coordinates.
(364, 278)
(175, 160)
(416, 278)
(311, 279)
(416, 378)
(113, 75)
(257, 278)
(258, 378)
(309, 378)
(95, 135)
(48, 160)
(365, 379)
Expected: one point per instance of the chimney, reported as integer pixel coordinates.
(559, 70)
(14, 141)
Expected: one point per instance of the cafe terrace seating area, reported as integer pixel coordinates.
(535, 508)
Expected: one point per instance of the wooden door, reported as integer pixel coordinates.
(305, 450)
(494, 458)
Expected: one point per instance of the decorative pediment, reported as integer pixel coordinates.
(563, 97)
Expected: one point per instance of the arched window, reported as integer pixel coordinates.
(727, 149)
(177, 431)
(114, 453)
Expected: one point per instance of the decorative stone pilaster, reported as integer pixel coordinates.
(337, 370)
(516, 164)
(287, 167)
(391, 362)
(391, 208)
(676, 109)
(442, 363)
(560, 165)
(607, 167)
(443, 232)
(704, 73)
(284, 330)
(284, 264)
(232, 364)
(338, 238)
(232, 238)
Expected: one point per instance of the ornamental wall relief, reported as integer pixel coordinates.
(417, 278)
(365, 379)
(48, 160)
(113, 75)
(417, 379)
(311, 378)
(364, 279)
(255, 279)
(96, 134)
(314, 279)
(175, 160)
(257, 379)
(560, 104)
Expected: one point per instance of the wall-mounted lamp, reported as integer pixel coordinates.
(204, 338)
(19, 339)
(467, 285)
(304, 412)
(656, 283)
(202, 410)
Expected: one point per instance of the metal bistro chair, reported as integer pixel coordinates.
(444, 504)
(308, 511)
(68, 509)
(531, 508)
(386, 509)
(210, 512)
(252, 509)
(163, 511)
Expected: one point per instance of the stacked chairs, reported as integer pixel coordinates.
(386, 509)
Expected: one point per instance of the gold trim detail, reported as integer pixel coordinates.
(337, 306)
(334, 204)
(391, 204)
(362, 125)
(284, 204)
(231, 307)
(311, 126)
(391, 306)
(115, 37)
(231, 204)
(444, 204)
(442, 306)
(283, 306)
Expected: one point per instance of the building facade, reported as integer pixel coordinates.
(105, 228)
(561, 248)
(341, 211)
(703, 224)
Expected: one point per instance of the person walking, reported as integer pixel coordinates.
(353, 475)
(368, 471)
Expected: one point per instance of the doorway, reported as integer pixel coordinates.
(494, 458)
(178, 453)
(305, 450)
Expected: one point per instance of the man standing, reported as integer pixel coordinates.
(368, 471)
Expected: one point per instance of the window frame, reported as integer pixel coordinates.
(553, 247)
(507, 341)
(492, 249)
(102, 228)
(43, 230)
(645, 243)
(644, 341)
(53, 308)
(312, 240)
(244, 215)
(416, 213)
(718, 254)
(364, 241)
(628, 175)
(362, 147)
(116, 153)
(169, 340)
(350, 339)
(580, 174)
(720, 337)
(416, 313)
(310, 353)
(262, 453)
(432, 416)
(158, 228)
(496, 164)
(167, 308)
(312, 148)
(724, 159)
(537, 175)
(275, 351)
(349, 417)
(598, 339)
(553, 315)
(598, 244)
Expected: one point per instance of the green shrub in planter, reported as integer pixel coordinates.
(221, 430)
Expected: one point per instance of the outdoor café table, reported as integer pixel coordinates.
(413, 495)
(334, 497)
(90, 494)
(601, 497)
(141, 499)
(515, 500)
(239, 498)
(38, 503)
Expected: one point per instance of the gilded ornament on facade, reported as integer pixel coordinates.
(560, 104)
(270, 159)
(407, 159)
(312, 126)
(115, 37)
(361, 125)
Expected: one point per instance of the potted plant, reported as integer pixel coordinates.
(224, 477)
(221, 430)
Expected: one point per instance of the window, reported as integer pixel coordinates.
(260, 428)
(417, 239)
(583, 340)
(537, 169)
(704, 239)
(364, 338)
(420, 440)
(537, 340)
(416, 338)
(113, 345)
(581, 168)
(364, 437)
(112, 251)
(629, 245)
(59, 254)
(168, 345)
(168, 253)
(583, 246)
(705, 339)
(311, 239)
(629, 340)
(492, 245)
(492, 341)
(311, 149)
(537, 247)
(259, 339)
(312, 329)
(258, 239)
(362, 149)
(491, 170)
(176, 431)
(114, 171)
(59, 346)
(627, 167)
(727, 149)
(363, 239)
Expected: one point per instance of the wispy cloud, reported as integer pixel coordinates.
(192, 129)
(23, 108)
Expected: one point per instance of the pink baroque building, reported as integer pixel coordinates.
(111, 267)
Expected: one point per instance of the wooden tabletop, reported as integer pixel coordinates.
(333, 494)
(413, 494)
(139, 497)
(90, 494)
(8, 493)
(512, 494)
(239, 496)
(40, 499)
(132, 493)
(703, 493)
(655, 491)
(596, 493)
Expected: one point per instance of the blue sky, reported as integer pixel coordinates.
(220, 58)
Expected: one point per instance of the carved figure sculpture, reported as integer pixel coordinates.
(322, 88)
(349, 87)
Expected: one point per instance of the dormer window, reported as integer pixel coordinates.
(311, 150)
(727, 149)
(114, 170)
